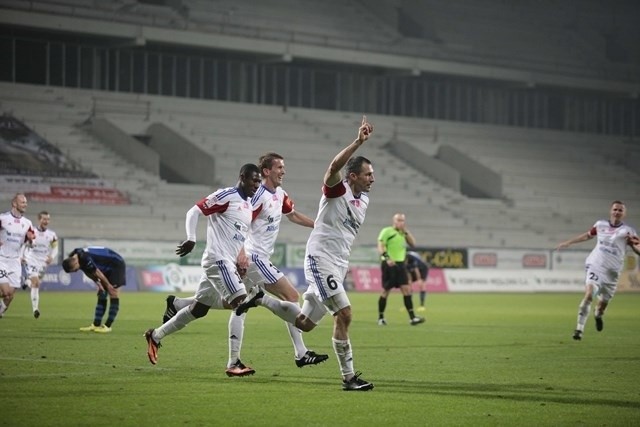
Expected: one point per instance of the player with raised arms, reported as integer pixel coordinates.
(341, 213)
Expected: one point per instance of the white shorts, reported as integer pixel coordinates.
(325, 291)
(219, 282)
(315, 309)
(261, 272)
(10, 272)
(35, 270)
(324, 277)
(604, 282)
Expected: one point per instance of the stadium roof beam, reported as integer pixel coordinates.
(277, 59)
(177, 37)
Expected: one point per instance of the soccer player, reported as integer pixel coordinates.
(15, 230)
(109, 271)
(604, 263)
(418, 272)
(229, 214)
(341, 212)
(269, 204)
(392, 246)
(37, 256)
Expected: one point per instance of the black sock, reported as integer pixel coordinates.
(382, 304)
(101, 307)
(423, 296)
(408, 303)
(114, 306)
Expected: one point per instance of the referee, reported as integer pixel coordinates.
(392, 246)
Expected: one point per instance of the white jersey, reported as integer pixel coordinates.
(611, 246)
(229, 216)
(13, 233)
(268, 208)
(44, 245)
(340, 216)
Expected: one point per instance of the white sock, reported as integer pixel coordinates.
(180, 303)
(236, 332)
(296, 339)
(583, 314)
(3, 307)
(177, 322)
(35, 298)
(342, 348)
(598, 312)
(285, 310)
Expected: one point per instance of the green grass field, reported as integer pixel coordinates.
(479, 360)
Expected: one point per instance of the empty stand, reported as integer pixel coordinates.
(555, 184)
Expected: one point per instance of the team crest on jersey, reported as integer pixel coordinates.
(274, 197)
(355, 202)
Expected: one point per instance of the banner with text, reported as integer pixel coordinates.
(368, 279)
(509, 259)
(444, 257)
(63, 189)
(81, 195)
(514, 281)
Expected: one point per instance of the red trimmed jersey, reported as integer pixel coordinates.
(13, 233)
(228, 221)
(43, 246)
(268, 208)
(340, 216)
(611, 245)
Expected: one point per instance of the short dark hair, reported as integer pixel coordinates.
(42, 213)
(247, 169)
(266, 160)
(66, 265)
(617, 202)
(354, 165)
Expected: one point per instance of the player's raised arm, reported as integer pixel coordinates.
(579, 238)
(333, 176)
